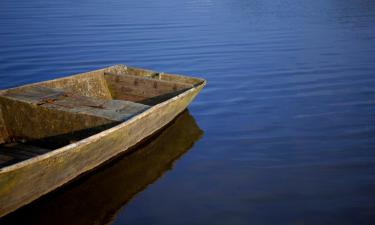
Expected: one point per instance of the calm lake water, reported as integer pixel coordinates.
(284, 132)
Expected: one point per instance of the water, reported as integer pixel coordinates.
(288, 114)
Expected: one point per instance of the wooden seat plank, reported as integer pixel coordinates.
(114, 110)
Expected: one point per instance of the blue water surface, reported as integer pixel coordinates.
(288, 113)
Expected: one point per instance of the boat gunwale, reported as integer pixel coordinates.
(103, 133)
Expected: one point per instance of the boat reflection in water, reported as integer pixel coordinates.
(97, 197)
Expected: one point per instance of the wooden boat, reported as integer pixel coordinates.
(98, 197)
(51, 132)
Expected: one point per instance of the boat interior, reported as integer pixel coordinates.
(40, 117)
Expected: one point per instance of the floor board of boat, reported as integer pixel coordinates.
(16, 152)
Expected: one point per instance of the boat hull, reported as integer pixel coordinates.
(22, 183)
(115, 184)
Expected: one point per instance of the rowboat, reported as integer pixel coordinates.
(98, 197)
(52, 132)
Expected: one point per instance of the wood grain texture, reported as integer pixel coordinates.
(26, 181)
(136, 88)
(17, 152)
(30, 121)
(3, 131)
(90, 84)
(116, 183)
(159, 75)
(51, 98)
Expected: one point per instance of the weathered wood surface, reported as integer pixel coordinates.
(136, 88)
(26, 181)
(114, 110)
(17, 152)
(161, 76)
(115, 184)
(91, 84)
(39, 112)
(3, 131)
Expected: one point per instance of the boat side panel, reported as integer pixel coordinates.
(34, 122)
(138, 89)
(27, 183)
(91, 84)
(163, 76)
(3, 131)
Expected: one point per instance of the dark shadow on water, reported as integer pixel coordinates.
(98, 196)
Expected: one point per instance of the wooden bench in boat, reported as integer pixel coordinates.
(116, 110)
(37, 112)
